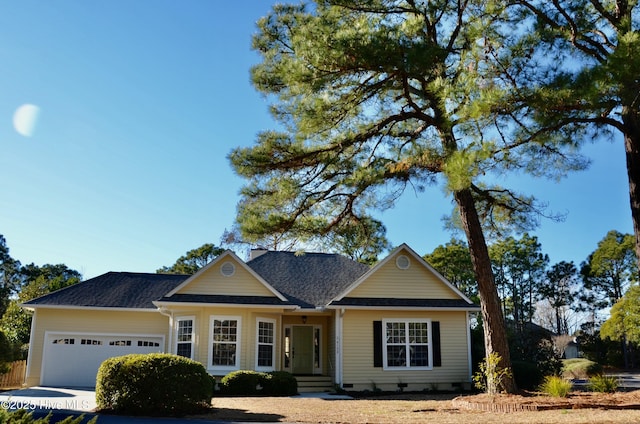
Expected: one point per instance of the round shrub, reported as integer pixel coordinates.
(242, 383)
(153, 384)
(280, 383)
(527, 374)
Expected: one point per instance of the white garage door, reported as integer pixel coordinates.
(73, 360)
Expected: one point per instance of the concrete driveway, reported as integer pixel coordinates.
(49, 398)
(63, 402)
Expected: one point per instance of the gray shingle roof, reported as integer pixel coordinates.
(225, 299)
(413, 303)
(114, 290)
(309, 279)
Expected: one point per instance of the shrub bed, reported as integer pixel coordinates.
(153, 384)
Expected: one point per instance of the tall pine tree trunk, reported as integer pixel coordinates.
(631, 123)
(495, 333)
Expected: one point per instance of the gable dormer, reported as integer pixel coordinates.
(402, 278)
(226, 275)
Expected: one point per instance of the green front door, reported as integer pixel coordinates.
(302, 349)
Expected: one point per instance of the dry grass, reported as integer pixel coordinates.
(409, 408)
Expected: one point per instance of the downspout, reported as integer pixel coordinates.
(169, 314)
(339, 321)
(469, 347)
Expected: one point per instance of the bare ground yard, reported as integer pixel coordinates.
(580, 407)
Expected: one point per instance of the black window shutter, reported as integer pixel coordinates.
(435, 338)
(377, 344)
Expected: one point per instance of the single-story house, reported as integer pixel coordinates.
(398, 324)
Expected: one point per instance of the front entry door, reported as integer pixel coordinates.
(302, 349)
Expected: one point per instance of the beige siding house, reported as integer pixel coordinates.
(325, 318)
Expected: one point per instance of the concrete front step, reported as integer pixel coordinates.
(314, 384)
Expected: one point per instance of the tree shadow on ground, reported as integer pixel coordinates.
(241, 415)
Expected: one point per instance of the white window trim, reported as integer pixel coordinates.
(273, 344)
(318, 369)
(406, 321)
(191, 318)
(225, 368)
(284, 347)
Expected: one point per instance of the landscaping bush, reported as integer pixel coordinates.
(603, 384)
(242, 383)
(280, 383)
(153, 384)
(22, 416)
(534, 345)
(527, 375)
(556, 386)
(253, 383)
(580, 368)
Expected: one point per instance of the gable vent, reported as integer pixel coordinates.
(402, 262)
(228, 269)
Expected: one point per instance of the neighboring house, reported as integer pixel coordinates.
(572, 350)
(396, 324)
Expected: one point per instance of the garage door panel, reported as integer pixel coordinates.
(73, 361)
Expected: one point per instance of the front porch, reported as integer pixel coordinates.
(306, 345)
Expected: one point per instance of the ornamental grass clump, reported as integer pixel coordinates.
(556, 386)
(603, 384)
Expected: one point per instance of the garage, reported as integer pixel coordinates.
(72, 360)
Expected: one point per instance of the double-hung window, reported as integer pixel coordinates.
(407, 344)
(266, 346)
(224, 352)
(184, 336)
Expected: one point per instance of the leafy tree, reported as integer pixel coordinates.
(609, 270)
(193, 260)
(559, 290)
(362, 240)
(584, 82)
(38, 281)
(453, 261)
(519, 266)
(624, 322)
(376, 96)
(10, 277)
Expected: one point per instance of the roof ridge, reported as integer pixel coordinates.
(145, 273)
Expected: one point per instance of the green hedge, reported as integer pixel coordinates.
(153, 384)
(253, 383)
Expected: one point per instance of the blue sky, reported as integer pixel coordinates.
(140, 102)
